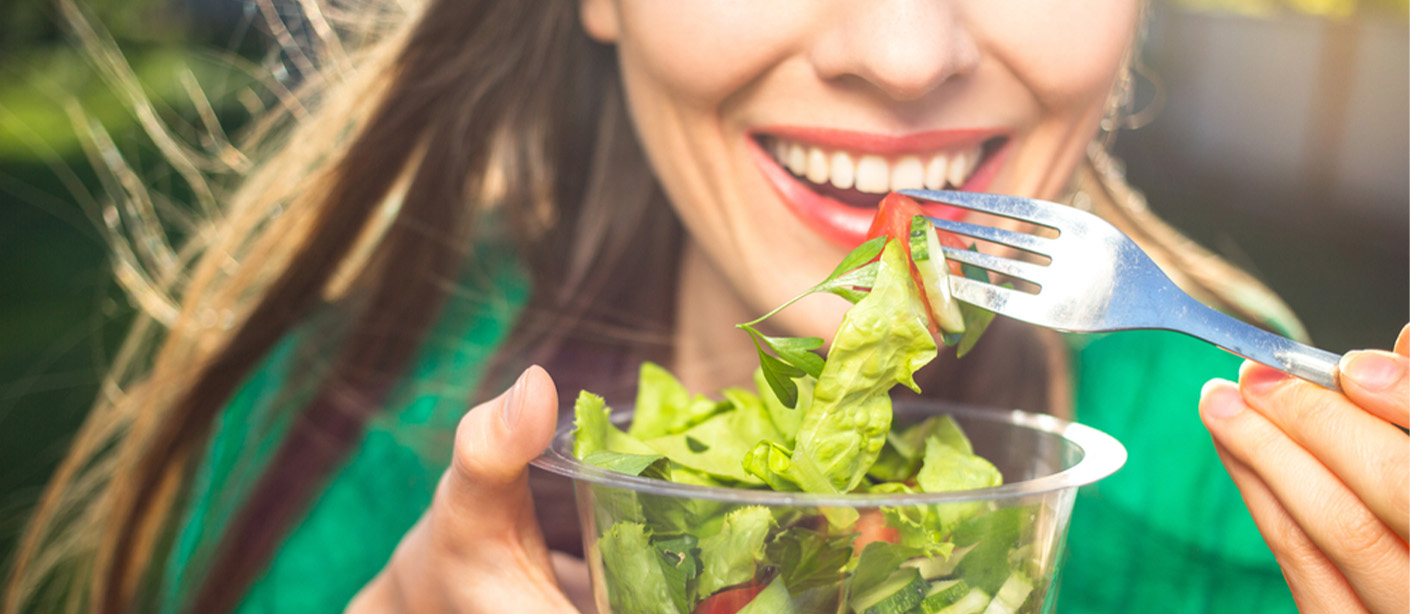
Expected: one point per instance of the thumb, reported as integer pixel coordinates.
(484, 495)
(478, 547)
(482, 523)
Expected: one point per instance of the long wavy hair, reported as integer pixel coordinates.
(362, 192)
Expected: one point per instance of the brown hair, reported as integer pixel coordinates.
(373, 182)
(471, 109)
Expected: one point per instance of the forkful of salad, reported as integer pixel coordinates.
(1096, 280)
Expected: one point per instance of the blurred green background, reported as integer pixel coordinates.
(1279, 138)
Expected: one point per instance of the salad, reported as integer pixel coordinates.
(814, 425)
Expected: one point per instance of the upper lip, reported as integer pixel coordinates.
(881, 144)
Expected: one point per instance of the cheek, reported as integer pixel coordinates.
(698, 51)
(1066, 53)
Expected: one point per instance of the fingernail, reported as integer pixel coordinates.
(1259, 379)
(513, 401)
(1371, 369)
(1220, 398)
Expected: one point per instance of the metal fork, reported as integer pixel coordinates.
(1099, 280)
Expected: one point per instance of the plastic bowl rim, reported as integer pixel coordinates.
(1102, 455)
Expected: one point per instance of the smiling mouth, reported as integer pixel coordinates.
(833, 179)
(857, 178)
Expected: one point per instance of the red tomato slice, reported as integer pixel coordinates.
(893, 220)
(872, 528)
(729, 601)
(893, 217)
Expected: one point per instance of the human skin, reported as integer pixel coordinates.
(711, 85)
(1325, 475)
(706, 81)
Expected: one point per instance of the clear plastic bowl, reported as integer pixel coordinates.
(1007, 540)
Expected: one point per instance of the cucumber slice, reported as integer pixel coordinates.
(939, 567)
(897, 594)
(1011, 595)
(943, 594)
(972, 602)
(930, 262)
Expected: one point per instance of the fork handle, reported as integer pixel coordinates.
(1314, 365)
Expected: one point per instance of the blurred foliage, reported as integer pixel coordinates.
(61, 314)
(48, 78)
(39, 96)
(26, 23)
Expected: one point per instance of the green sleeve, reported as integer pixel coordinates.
(1169, 531)
(355, 523)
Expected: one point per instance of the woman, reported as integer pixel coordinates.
(588, 184)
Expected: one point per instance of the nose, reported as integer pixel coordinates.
(904, 48)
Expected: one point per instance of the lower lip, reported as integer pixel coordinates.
(844, 224)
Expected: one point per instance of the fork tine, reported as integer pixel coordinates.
(1014, 207)
(997, 299)
(1004, 266)
(1026, 242)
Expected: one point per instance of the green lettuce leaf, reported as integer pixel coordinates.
(631, 464)
(664, 406)
(807, 559)
(877, 562)
(890, 466)
(635, 580)
(992, 536)
(770, 462)
(976, 319)
(675, 516)
(731, 555)
(948, 466)
(945, 470)
(901, 456)
(794, 356)
(594, 431)
(918, 527)
(798, 351)
(720, 444)
(786, 418)
(847, 285)
(680, 563)
(881, 343)
(590, 424)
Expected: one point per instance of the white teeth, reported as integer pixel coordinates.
(797, 159)
(817, 166)
(959, 170)
(844, 170)
(873, 175)
(907, 174)
(935, 173)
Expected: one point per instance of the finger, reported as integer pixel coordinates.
(1316, 584)
(493, 445)
(1368, 454)
(1376, 381)
(573, 578)
(1369, 555)
(1402, 342)
(482, 519)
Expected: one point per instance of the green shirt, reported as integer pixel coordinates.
(1167, 533)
